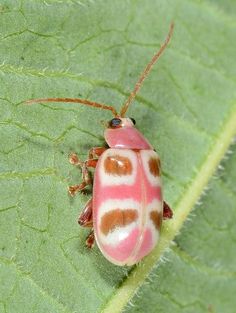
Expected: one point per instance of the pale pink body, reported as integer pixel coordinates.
(138, 191)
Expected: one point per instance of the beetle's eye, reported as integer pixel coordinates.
(133, 120)
(115, 123)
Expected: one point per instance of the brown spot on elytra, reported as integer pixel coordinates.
(118, 165)
(117, 218)
(154, 166)
(156, 219)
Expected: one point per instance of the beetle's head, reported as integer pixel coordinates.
(121, 133)
(118, 122)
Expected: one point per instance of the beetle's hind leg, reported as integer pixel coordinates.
(167, 212)
(86, 220)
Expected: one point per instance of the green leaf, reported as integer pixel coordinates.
(198, 273)
(186, 108)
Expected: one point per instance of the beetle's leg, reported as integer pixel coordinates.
(86, 220)
(76, 188)
(85, 173)
(86, 181)
(90, 240)
(86, 217)
(91, 162)
(96, 152)
(167, 212)
(74, 159)
(93, 154)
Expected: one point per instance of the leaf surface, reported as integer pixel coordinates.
(186, 108)
(198, 273)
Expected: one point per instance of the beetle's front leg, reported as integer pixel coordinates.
(86, 220)
(96, 152)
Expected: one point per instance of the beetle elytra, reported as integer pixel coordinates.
(127, 208)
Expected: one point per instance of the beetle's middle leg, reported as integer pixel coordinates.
(86, 177)
(86, 220)
(90, 162)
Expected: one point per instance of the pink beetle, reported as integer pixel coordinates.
(127, 207)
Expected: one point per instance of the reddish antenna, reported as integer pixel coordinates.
(146, 71)
(75, 100)
(132, 96)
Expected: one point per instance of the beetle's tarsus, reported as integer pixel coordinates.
(167, 212)
(76, 188)
(90, 240)
(74, 159)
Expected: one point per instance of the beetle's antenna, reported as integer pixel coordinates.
(146, 71)
(76, 100)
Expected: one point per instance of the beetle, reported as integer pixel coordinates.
(127, 208)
